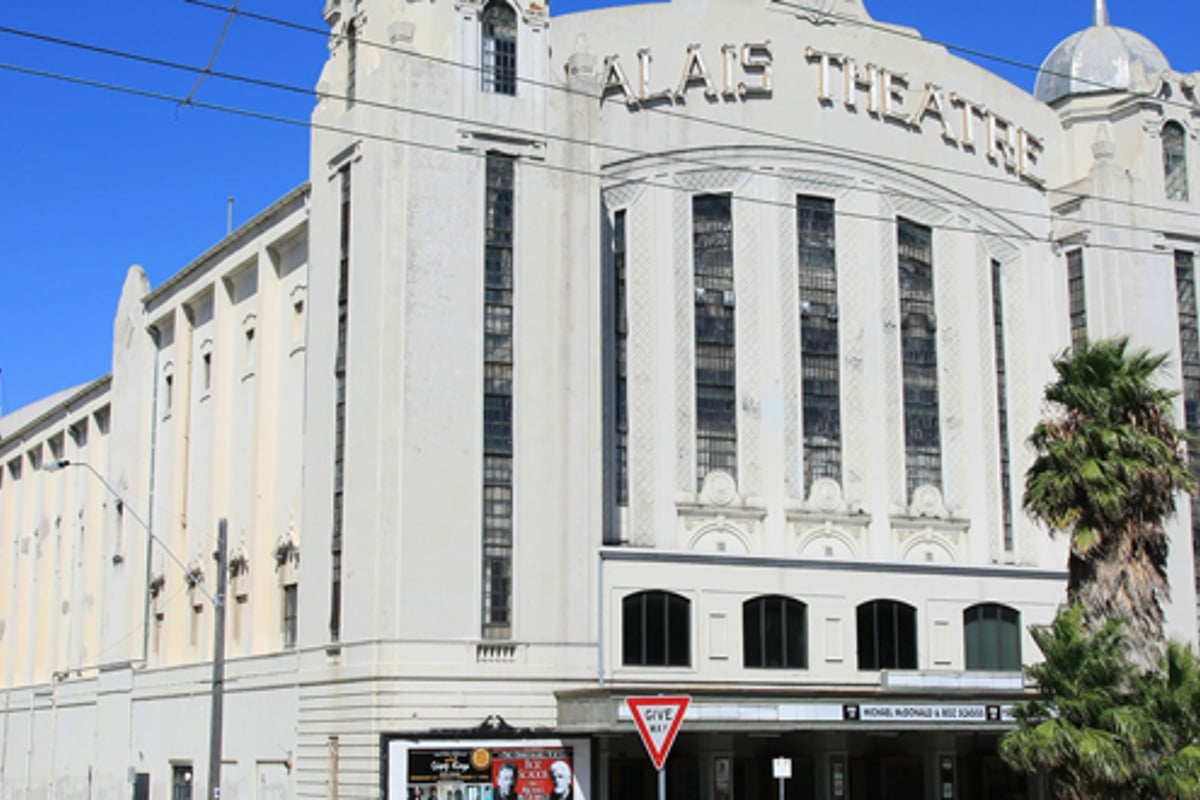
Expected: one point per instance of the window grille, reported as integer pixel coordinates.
(339, 413)
(918, 346)
(1174, 147)
(1078, 306)
(1189, 357)
(290, 615)
(715, 354)
(498, 397)
(620, 337)
(499, 56)
(1006, 505)
(819, 355)
(181, 782)
(351, 64)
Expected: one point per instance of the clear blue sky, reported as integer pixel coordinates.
(96, 181)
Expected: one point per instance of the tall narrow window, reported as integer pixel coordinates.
(351, 63)
(918, 345)
(716, 390)
(1075, 296)
(181, 782)
(819, 339)
(498, 398)
(1174, 145)
(1006, 506)
(620, 336)
(290, 615)
(206, 371)
(1189, 358)
(499, 56)
(339, 413)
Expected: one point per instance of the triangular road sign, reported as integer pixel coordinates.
(658, 720)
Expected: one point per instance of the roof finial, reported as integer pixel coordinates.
(1100, 17)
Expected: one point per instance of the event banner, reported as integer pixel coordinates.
(491, 773)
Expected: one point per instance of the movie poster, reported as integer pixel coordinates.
(491, 773)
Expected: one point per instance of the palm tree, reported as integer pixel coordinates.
(1172, 704)
(1082, 731)
(1102, 728)
(1109, 463)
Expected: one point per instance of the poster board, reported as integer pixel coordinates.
(517, 769)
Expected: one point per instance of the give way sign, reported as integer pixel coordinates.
(658, 720)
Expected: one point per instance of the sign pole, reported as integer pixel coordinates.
(662, 783)
(781, 768)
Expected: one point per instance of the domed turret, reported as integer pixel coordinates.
(1097, 59)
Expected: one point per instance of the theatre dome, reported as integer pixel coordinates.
(1100, 58)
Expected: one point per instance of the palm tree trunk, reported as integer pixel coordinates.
(1124, 576)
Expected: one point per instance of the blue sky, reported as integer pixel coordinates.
(97, 181)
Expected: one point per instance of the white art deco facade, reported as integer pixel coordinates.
(677, 348)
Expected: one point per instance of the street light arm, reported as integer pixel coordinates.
(54, 466)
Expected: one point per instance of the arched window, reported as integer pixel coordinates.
(887, 635)
(1174, 144)
(499, 56)
(656, 630)
(775, 633)
(992, 636)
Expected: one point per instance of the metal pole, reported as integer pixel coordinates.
(781, 789)
(662, 783)
(218, 669)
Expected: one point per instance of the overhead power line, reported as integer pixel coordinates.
(1066, 196)
(529, 163)
(673, 157)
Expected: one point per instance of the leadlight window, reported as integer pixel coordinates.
(716, 367)
(620, 337)
(820, 375)
(339, 413)
(1189, 357)
(887, 635)
(499, 56)
(1006, 506)
(1174, 146)
(351, 64)
(656, 630)
(775, 633)
(181, 782)
(290, 615)
(1075, 294)
(498, 398)
(918, 345)
(992, 638)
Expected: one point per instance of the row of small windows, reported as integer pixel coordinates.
(55, 443)
(656, 632)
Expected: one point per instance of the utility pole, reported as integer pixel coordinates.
(218, 668)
